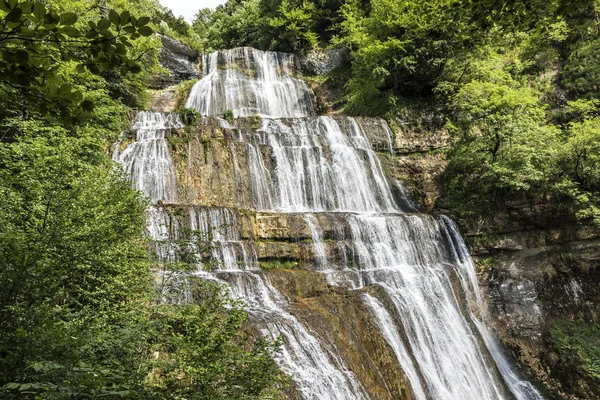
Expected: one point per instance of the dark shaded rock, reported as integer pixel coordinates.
(179, 59)
(533, 289)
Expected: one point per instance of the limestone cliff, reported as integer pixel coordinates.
(310, 221)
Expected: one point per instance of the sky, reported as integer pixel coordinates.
(189, 8)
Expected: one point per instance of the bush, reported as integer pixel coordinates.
(228, 115)
(189, 116)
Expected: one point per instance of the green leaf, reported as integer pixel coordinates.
(120, 49)
(51, 19)
(65, 88)
(103, 24)
(107, 34)
(22, 56)
(143, 21)
(125, 17)
(70, 31)
(145, 31)
(114, 17)
(87, 105)
(93, 68)
(135, 69)
(11, 386)
(39, 11)
(28, 33)
(68, 18)
(83, 117)
(14, 15)
(23, 79)
(4, 6)
(27, 7)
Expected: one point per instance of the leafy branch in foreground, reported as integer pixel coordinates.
(35, 39)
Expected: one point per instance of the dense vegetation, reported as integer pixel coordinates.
(80, 315)
(518, 82)
(578, 344)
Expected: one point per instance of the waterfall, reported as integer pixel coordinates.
(414, 273)
(148, 160)
(322, 164)
(250, 82)
(319, 373)
(386, 324)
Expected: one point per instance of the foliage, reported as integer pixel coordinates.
(281, 25)
(517, 82)
(206, 351)
(399, 49)
(79, 314)
(70, 245)
(234, 24)
(579, 340)
(579, 161)
(189, 116)
(228, 115)
(505, 147)
(582, 71)
(80, 317)
(35, 39)
(293, 26)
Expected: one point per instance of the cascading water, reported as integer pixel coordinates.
(148, 161)
(250, 82)
(426, 301)
(319, 372)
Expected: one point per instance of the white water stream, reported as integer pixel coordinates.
(250, 82)
(323, 165)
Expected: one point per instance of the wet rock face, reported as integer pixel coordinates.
(215, 167)
(179, 59)
(422, 175)
(516, 304)
(322, 62)
(536, 287)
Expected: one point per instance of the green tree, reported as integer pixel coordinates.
(506, 147)
(293, 26)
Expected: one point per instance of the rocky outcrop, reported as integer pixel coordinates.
(530, 291)
(358, 340)
(323, 61)
(285, 253)
(180, 60)
(212, 161)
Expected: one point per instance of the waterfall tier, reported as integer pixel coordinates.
(250, 82)
(311, 196)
